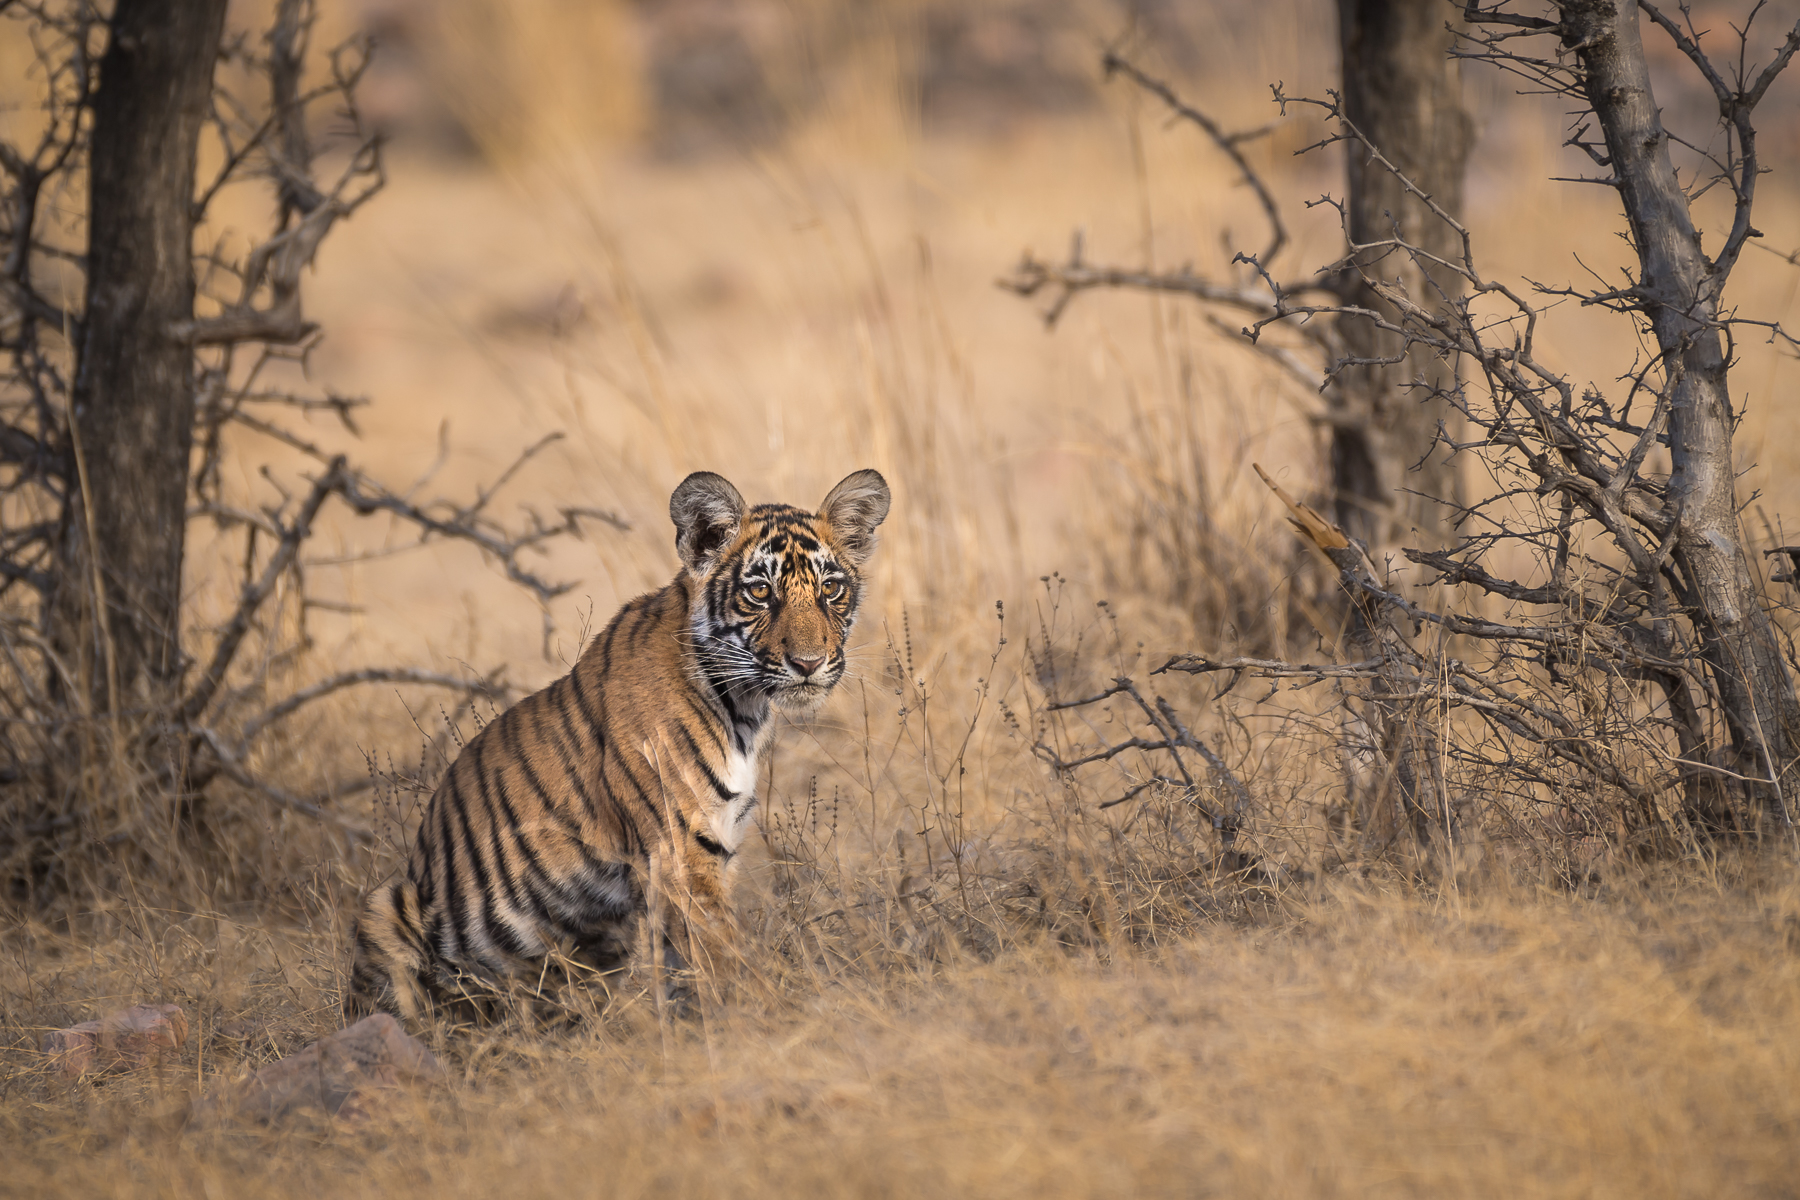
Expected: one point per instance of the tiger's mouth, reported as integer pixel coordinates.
(804, 694)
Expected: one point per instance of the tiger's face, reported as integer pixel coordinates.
(778, 587)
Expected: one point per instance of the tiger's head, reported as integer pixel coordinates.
(777, 587)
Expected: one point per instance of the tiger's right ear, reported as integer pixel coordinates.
(854, 508)
(707, 512)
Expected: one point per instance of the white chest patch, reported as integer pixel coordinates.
(729, 823)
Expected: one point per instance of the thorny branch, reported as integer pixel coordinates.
(1113, 64)
(1070, 278)
(1172, 736)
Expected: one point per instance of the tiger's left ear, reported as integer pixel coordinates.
(853, 510)
(708, 512)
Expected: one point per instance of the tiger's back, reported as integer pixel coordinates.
(638, 765)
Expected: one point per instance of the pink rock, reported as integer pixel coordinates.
(134, 1037)
(347, 1074)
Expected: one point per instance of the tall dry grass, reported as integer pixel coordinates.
(962, 973)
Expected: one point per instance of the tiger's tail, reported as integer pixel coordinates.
(389, 972)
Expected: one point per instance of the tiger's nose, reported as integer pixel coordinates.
(805, 666)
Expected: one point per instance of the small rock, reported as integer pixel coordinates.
(139, 1036)
(347, 1075)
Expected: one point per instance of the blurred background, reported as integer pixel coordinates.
(762, 239)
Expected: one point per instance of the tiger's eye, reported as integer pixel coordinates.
(758, 591)
(833, 588)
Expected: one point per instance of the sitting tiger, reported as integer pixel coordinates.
(633, 774)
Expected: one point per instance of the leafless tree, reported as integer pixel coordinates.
(1641, 686)
(1678, 294)
(126, 358)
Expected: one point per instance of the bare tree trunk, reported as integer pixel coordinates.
(133, 398)
(1403, 90)
(1389, 486)
(1678, 288)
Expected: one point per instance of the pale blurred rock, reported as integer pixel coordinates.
(349, 1075)
(139, 1036)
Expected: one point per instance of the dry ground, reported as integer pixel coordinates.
(1349, 1041)
(1032, 996)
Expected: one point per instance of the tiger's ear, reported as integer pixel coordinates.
(853, 510)
(707, 512)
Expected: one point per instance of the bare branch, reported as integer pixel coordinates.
(1075, 276)
(255, 594)
(1691, 48)
(488, 686)
(233, 769)
(1113, 64)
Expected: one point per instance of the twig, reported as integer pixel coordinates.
(234, 770)
(255, 594)
(489, 686)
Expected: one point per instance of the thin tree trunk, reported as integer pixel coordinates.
(133, 398)
(1390, 485)
(1679, 289)
(1403, 90)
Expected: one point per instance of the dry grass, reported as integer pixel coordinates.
(1348, 1041)
(1020, 994)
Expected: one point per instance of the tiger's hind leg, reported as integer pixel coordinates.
(389, 971)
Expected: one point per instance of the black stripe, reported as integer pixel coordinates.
(726, 699)
(565, 749)
(707, 719)
(594, 720)
(653, 804)
(500, 835)
(553, 811)
(645, 616)
(408, 922)
(537, 881)
(496, 930)
(455, 903)
(478, 900)
(718, 785)
(418, 863)
(635, 845)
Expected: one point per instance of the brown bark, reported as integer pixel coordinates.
(1403, 90)
(1390, 482)
(133, 398)
(1678, 288)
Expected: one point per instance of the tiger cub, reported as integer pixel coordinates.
(638, 765)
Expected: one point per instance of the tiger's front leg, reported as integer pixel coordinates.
(694, 932)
